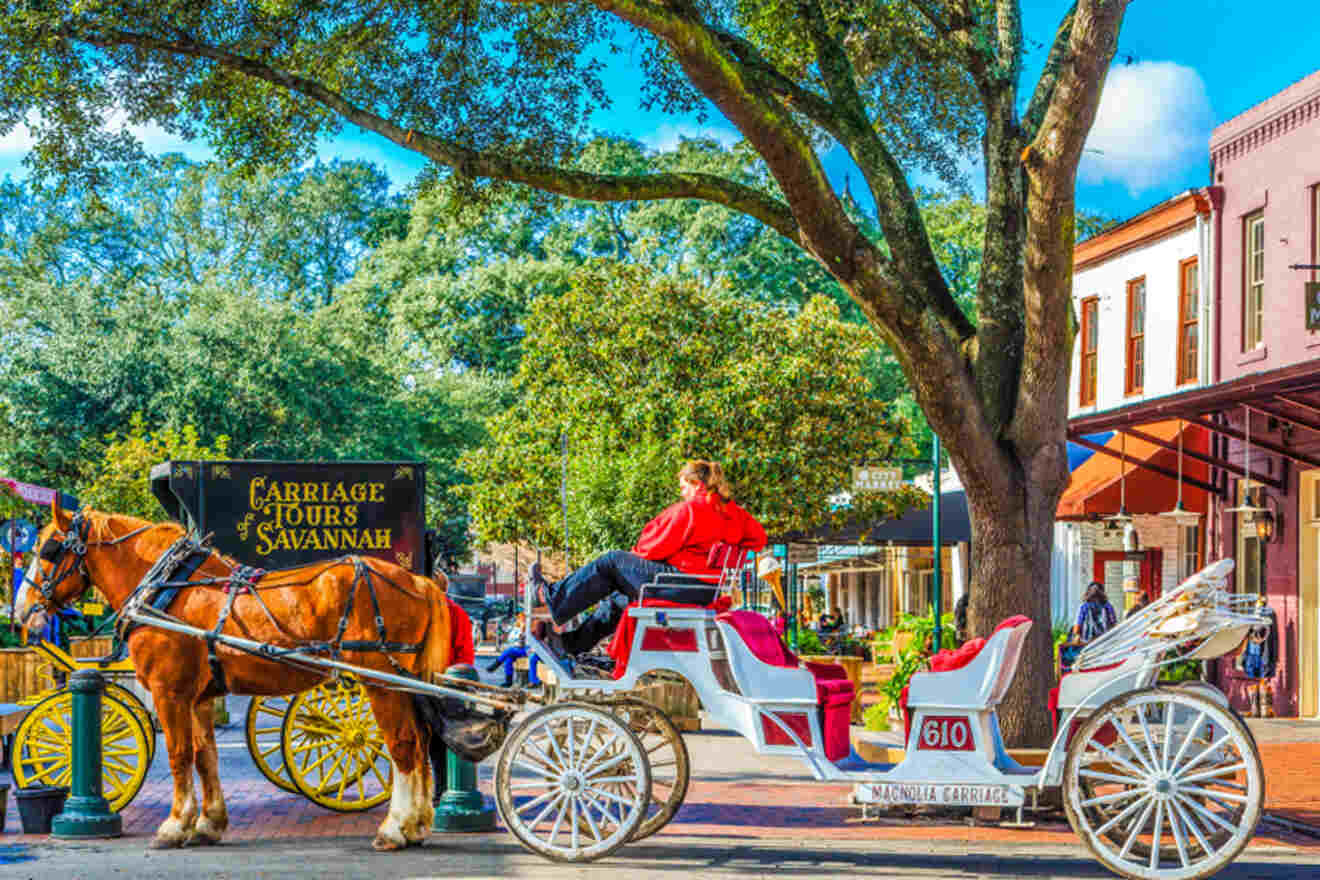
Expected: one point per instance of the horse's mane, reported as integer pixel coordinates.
(124, 523)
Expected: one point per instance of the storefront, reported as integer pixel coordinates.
(1262, 478)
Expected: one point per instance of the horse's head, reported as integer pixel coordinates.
(58, 573)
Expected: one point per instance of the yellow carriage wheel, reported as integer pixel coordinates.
(264, 729)
(333, 750)
(43, 748)
(140, 711)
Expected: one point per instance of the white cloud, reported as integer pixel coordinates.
(1154, 123)
(667, 135)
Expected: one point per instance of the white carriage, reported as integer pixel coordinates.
(1159, 782)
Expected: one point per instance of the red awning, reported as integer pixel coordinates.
(1096, 486)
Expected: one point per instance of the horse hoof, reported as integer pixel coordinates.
(166, 842)
(386, 844)
(199, 839)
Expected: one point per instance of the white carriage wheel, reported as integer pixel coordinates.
(573, 783)
(667, 755)
(1163, 784)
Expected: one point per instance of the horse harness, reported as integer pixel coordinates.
(173, 572)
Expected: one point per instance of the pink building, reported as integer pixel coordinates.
(1261, 401)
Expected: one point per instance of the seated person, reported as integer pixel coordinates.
(678, 540)
(831, 622)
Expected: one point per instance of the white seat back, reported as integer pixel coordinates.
(980, 684)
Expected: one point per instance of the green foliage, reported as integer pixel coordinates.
(641, 372)
(876, 716)
(119, 479)
(809, 642)
(912, 658)
(1181, 671)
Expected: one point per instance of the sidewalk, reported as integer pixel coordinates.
(735, 795)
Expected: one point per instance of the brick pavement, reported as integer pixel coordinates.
(732, 810)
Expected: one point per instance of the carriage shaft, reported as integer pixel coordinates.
(260, 649)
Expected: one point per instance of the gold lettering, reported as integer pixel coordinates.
(293, 514)
(311, 492)
(331, 539)
(313, 541)
(314, 517)
(359, 492)
(377, 492)
(339, 495)
(383, 541)
(332, 516)
(265, 543)
(254, 492)
(350, 516)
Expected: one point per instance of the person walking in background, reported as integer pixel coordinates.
(1096, 616)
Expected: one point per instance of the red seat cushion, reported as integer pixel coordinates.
(760, 638)
(956, 658)
(621, 645)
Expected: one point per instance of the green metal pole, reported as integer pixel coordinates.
(86, 812)
(935, 528)
(790, 571)
(462, 807)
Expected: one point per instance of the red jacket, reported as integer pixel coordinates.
(683, 533)
(461, 634)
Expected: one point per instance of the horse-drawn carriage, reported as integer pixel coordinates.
(1159, 782)
(274, 514)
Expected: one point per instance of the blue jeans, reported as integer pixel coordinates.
(616, 576)
(517, 653)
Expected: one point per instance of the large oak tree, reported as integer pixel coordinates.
(503, 90)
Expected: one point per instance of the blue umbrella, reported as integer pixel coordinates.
(1078, 453)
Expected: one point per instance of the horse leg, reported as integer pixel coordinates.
(215, 817)
(395, 716)
(175, 714)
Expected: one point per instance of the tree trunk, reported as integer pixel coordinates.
(1012, 540)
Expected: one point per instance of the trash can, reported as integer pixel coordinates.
(38, 804)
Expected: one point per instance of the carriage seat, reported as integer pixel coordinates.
(834, 690)
(721, 556)
(974, 676)
(1092, 688)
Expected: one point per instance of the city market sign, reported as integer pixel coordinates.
(877, 479)
(942, 793)
(1313, 305)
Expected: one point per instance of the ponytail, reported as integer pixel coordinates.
(711, 476)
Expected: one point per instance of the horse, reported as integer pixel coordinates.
(289, 608)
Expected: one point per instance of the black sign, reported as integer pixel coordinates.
(276, 514)
(1313, 305)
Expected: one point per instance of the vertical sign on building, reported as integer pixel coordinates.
(1313, 305)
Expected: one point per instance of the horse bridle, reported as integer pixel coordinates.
(74, 544)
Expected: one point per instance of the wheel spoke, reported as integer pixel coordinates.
(1201, 811)
(543, 772)
(1128, 811)
(1145, 735)
(1155, 837)
(612, 762)
(1111, 798)
(1178, 771)
(591, 823)
(1220, 796)
(1211, 774)
(1136, 829)
(612, 796)
(1110, 777)
(536, 801)
(559, 796)
(559, 820)
(1193, 825)
(1191, 738)
(1132, 747)
(1179, 837)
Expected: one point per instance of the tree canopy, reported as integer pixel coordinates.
(504, 90)
(638, 371)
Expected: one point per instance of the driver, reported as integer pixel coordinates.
(678, 540)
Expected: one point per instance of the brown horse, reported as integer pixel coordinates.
(305, 604)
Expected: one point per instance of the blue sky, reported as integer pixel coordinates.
(1184, 66)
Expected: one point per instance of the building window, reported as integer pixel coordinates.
(1191, 551)
(1136, 336)
(1189, 299)
(1253, 288)
(1090, 347)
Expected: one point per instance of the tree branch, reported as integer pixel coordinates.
(476, 163)
(897, 210)
(1049, 77)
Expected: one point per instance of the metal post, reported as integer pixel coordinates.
(935, 528)
(794, 601)
(86, 812)
(462, 807)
